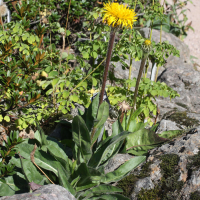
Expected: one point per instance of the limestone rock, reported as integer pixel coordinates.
(172, 170)
(116, 161)
(46, 192)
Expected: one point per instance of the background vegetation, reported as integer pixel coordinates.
(51, 57)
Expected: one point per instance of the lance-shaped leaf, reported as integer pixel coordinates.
(42, 159)
(88, 177)
(170, 134)
(134, 126)
(123, 170)
(143, 140)
(11, 184)
(81, 137)
(56, 149)
(92, 112)
(31, 173)
(100, 189)
(63, 180)
(117, 128)
(101, 153)
(42, 135)
(102, 116)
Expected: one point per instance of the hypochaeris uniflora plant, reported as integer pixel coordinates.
(117, 16)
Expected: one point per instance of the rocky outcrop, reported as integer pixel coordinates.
(171, 171)
(46, 192)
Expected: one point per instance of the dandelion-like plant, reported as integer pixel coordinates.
(117, 16)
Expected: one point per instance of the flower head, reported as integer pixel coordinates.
(118, 15)
(147, 42)
(3, 10)
(147, 46)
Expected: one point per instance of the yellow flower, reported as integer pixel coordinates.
(147, 42)
(146, 46)
(116, 15)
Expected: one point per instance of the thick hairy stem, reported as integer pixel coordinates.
(109, 53)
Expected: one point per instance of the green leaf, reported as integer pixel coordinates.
(63, 180)
(81, 137)
(94, 81)
(124, 169)
(5, 189)
(100, 189)
(42, 159)
(7, 118)
(16, 28)
(92, 112)
(102, 116)
(116, 128)
(65, 94)
(56, 149)
(55, 81)
(131, 126)
(1, 118)
(31, 39)
(37, 137)
(42, 134)
(31, 172)
(143, 140)
(11, 184)
(94, 54)
(88, 177)
(53, 73)
(16, 38)
(68, 32)
(102, 152)
(85, 55)
(170, 134)
(25, 36)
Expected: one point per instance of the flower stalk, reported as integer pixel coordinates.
(146, 49)
(117, 16)
(109, 54)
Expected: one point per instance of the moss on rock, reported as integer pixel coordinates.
(168, 187)
(127, 183)
(194, 161)
(181, 118)
(195, 195)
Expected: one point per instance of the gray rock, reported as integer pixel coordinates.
(145, 183)
(166, 125)
(46, 192)
(171, 61)
(116, 161)
(186, 148)
(74, 111)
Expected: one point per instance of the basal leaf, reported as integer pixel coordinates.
(124, 169)
(81, 137)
